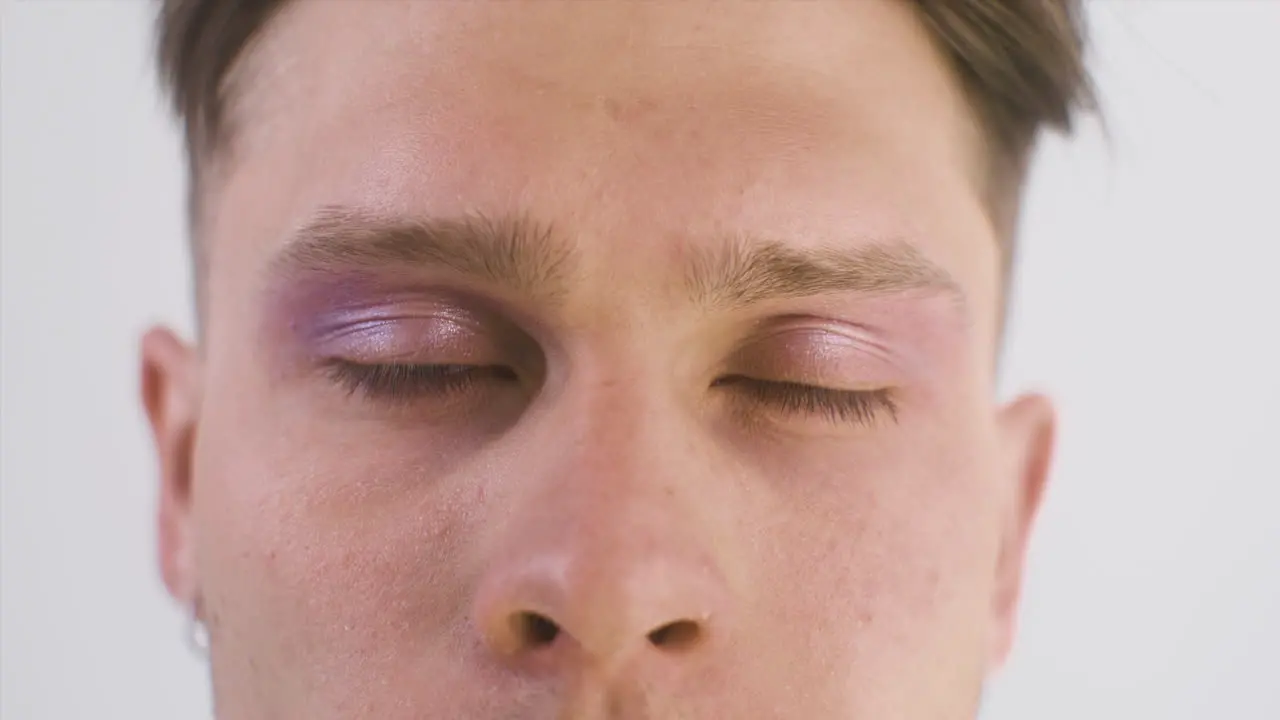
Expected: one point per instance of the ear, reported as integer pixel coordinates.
(171, 383)
(1027, 433)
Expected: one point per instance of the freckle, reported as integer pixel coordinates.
(611, 107)
(630, 110)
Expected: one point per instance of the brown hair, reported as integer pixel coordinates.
(1020, 62)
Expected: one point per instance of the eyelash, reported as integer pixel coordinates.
(403, 382)
(846, 406)
(408, 381)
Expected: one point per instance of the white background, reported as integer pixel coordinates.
(1148, 302)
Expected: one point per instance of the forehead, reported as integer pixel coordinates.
(644, 123)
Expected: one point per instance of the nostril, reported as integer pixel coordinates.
(677, 635)
(535, 630)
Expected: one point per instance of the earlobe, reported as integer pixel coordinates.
(171, 397)
(1027, 428)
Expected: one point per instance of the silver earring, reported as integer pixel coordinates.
(197, 632)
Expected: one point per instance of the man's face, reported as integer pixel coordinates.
(596, 360)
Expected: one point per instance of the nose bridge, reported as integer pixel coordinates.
(608, 548)
(625, 428)
(621, 441)
(627, 470)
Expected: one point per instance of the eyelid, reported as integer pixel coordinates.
(824, 331)
(820, 353)
(343, 324)
(408, 339)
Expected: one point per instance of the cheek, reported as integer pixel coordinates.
(894, 542)
(317, 538)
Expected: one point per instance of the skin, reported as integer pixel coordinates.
(632, 504)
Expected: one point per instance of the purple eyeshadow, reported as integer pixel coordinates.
(369, 319)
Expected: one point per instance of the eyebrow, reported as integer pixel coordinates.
(747, 270)
(508, 251)
(518, 253)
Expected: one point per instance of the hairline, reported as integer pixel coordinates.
(999, 174)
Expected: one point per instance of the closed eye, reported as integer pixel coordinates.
(407, 381)
(791, 398)
(410, 381)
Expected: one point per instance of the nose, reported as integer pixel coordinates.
(578, 607)
(610, 553)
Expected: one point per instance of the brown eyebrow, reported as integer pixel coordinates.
(745, 271)
(511, 251)
(518, 253)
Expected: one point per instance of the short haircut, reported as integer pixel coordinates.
(1020, 64)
